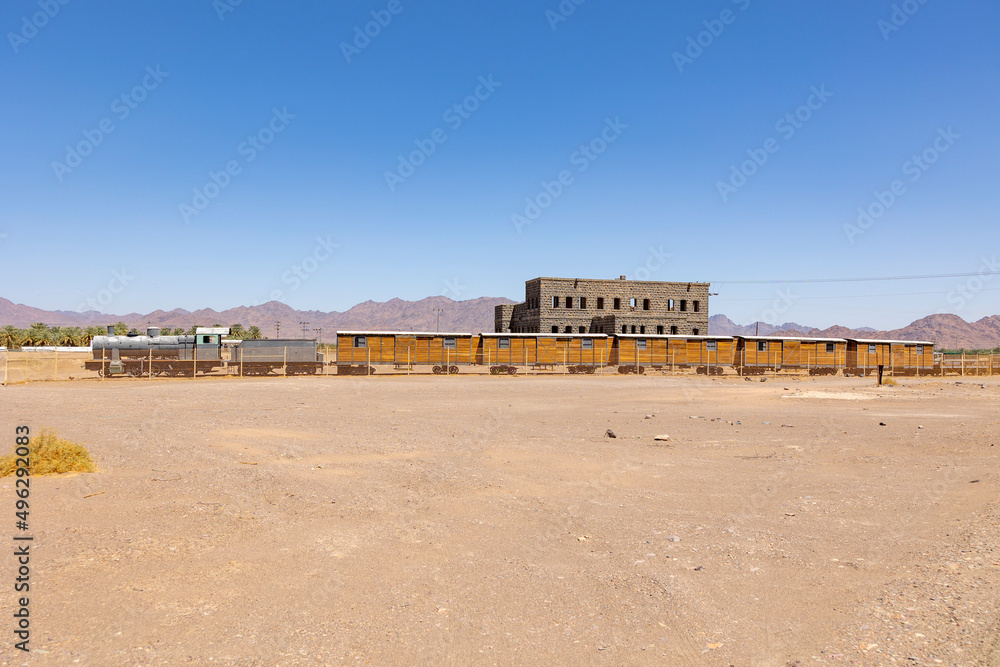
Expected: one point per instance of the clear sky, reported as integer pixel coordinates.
(214, 154)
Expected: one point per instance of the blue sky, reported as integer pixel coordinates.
(213, 154)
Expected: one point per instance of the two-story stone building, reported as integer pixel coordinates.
(581, 305)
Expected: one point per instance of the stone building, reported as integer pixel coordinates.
(580, 305)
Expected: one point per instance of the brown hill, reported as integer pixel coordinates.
(473, 315)
(947, 331)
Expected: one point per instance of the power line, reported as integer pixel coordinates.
(856, 280)
(851, 296)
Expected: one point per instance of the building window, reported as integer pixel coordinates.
(829, 347)
(871, 349)
(645, 304)
(659, 329)
(640, 344)
(583, 303)
(694, 331)
(618, 303)
(505, 343)
(569, 302)
(583, 329)
(555, 329)
(587, 344)
(449, 344)
(600, 303)
(632, 302)
(555, 302)
(633, 328)
(920, 349)
(673, 331)
(360, 341)
(710, 346)
(695, 304)
(568, 330)
(670, 304)
(762, 346)
(642, 329)
(624, 329)
(684, 305)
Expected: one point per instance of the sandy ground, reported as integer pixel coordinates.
(490, 520)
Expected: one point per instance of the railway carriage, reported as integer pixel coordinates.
(820, 356)
(897, 357)
(358, 351)
(578, 351)
(707, 354)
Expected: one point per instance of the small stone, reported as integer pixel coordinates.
(662, 436)
(673, 538)
(881, 423)
(920, 427)
(610, 433)
(699, 568)
(649, 416)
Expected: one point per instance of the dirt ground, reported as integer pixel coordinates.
(491, 520)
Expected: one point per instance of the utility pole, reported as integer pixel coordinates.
(437, 325)
(303, 328)
(319, 335)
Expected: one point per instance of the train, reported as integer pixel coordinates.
(364, 352)
(205, 351)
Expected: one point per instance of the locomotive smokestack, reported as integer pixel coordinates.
(111, 330)
(153, 332)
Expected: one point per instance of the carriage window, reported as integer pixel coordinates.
(505, 343)
(600, 303)
(920, 349)
(762, 346)
(449, 343)
(829, 347)
(871, 349)
(587, 344)
(710, 345)
(640, 344)
(360, 341)
(206, 339)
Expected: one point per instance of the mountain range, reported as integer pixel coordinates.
(443, 314)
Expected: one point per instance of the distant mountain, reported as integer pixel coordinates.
(945, 330)
(473, 315)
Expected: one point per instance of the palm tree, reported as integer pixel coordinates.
(11, 337)
(236, 331)
(193, 330)
(37, 335)
(121, 328)
(253, 333)
(72, 336)
(89, 334)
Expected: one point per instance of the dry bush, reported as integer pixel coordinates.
(889, 382)
(50, 455)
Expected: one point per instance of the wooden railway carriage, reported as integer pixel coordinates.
(820, 356)
(357, 350)
(709, 354)
(897, 357)
(544, 349)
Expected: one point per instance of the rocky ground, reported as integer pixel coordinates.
(492, 520)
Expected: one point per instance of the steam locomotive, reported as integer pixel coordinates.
(137, 355)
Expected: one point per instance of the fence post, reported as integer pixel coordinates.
(963, 364)
(368, 353)
(284, 360)
(150, 362)
(56, 371)
(194, 359)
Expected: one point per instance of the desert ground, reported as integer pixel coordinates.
(492, 520)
